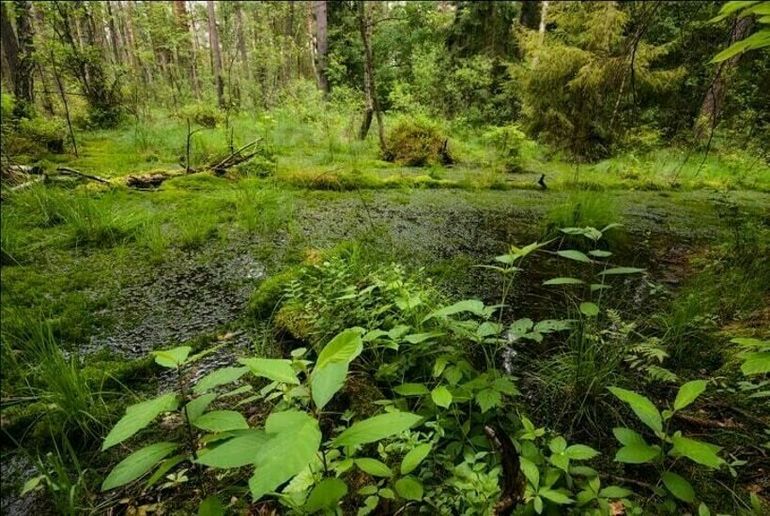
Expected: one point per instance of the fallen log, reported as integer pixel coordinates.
(235, 158)
(148, 181)
(72, 172)
(27, 184)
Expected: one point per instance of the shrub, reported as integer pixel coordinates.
(416, 142)
(202, 114)
(509, 141)
(46, 132)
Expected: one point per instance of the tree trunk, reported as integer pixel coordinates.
(372, 107)
(320, 44)
(186, 49)
(712, 104)
(10, 46)
(25, 86)
(241, 43)
(114, 35)
(216, 54)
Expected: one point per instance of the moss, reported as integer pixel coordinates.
(267, 296)
(417, 142)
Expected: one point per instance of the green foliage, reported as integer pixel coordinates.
(760, 39)
(203, 114)
(509, 141)
(416, 142)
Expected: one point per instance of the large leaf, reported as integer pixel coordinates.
(580, 452)
(411, 389)
(294, 438)
(620, 270)
(688, 393)
(627, 436)
(574, 255)
(642, 407)
(219, 377)
(139, 416)
(275, 369)
(697, 451)
(589, 309)
(198, 406)
(473, 306)
(137, 464)
(326, 381)
(678, 486)
(756, 363)
(172, 358)
(374, 467)
(325, 495)
(563, 281)
(637, 453)
(376, 428)
(415, 456)
(221, 421)
(236, 452)
(441, 396)
(211, 506)
(345, 347)
(409, 488)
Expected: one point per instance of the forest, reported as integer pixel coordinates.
(385, 257)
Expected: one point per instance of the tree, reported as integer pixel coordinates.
(19, 51)
(372, 105)
(216, 54)
(320, 44)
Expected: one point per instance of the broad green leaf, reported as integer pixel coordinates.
(627, 436)
(703, 509)
(563, 281)
(325, 495)
(697, 451)
(327, 381)
(558, 444)
(589, 309)
(441, 396)
(551, 325)
(31, 485)
(488, 398)
(636, 453)
(165, 466)
(580, 452)
(678, 486)
(219, 377)
(530, 471)
(294, 438)
(376, 428)
(416, 338)
(275, 369)
(688, 393)
(221, 421)
(415, 456)
(572, 254)
(520, 327)
(409, 488)
(139, 416)
(756, 363)
(211, 506)
(599, 253)
(374, 467)
(137, 464)
(615, 492)
(473, 306)
(411, 389)
(198, 406)
(236, 452)
(345, 347)
(642, 407)
(172, 358)
(556, 497)
(620, 270)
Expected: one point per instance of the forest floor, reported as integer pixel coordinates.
(121, 272)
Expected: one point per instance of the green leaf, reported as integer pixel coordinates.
(556, 497)
(636, 454)
(688, 393)
(620, 270)
(613, 492)
(416, 338)
(236, 452)
(211, 506)
(374, 467)
(139, 416)
(530, 471)
(599, 253)
(563, 281)
(697, 451)
(376, 428)
(580, 452)
(326, 494)
(756, 363)
(275, 369)
(467, 305)
(488, 398)
(172, 358)
(415, 456)
(198, 406)
(441, 396)
(589, 309)
(294, 438)
(642, 407)
(703, 509)
(219, 377)
(627, 436)
(678, 486)
(137, 464)
(574, 255)
(409, 488)
(327, 381)
(221, 421)
(165, 466)
(411, 389)
(345, 347)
